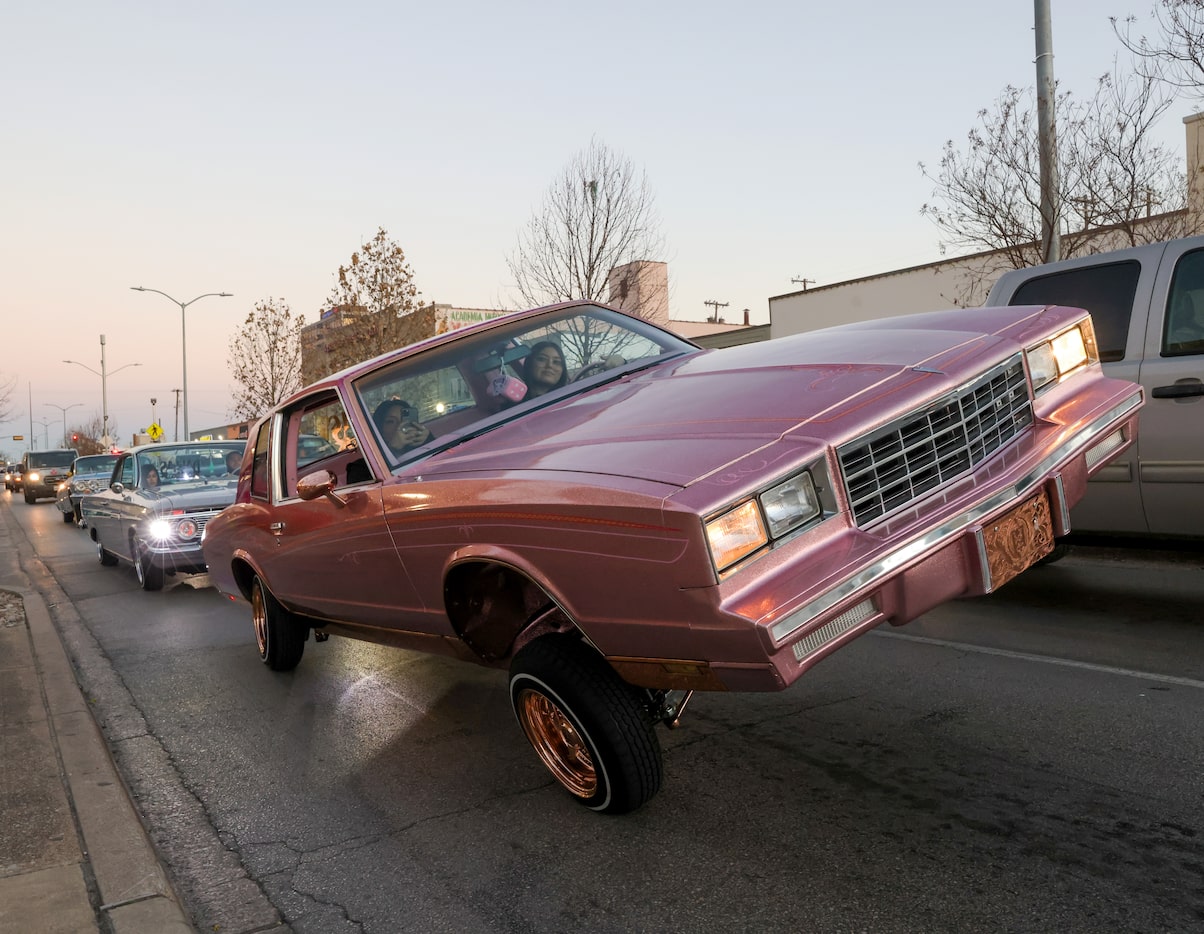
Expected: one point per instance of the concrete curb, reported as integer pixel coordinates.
(130, 883)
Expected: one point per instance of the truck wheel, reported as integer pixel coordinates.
(280, 637)
(29, 497)
(150, 575)
(590, 728)
(104, 556)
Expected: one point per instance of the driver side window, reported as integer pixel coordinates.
(317, 436)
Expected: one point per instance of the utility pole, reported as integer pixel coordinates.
(716, 305)
(177, 392)
(1047, 145)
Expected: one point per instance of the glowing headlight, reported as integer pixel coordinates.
(1055, 359)
(160, 530)
(756, 522)
(736, 534)
(34, 476)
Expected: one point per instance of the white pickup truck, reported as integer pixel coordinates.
(1148, 306)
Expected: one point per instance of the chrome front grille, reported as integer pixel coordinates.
(913, 455)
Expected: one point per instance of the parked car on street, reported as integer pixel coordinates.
(1147, 303)
(153, 510)
(89, 474)
(43, 471)
(621, 518)
(12, 477)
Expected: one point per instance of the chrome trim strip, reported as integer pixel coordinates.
(1063, 508)
(980, 543)
(951, 527)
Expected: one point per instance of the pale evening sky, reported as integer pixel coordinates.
(250, 147)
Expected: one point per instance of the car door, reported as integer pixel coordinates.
(1171, 428)
(104, 510)
(333, 559)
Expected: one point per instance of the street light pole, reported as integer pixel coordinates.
(104, 388)
(45, 423)
(63, 409)
(183, 336)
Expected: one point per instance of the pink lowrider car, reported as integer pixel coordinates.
(663, 519)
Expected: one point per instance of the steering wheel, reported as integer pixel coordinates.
(594, 369)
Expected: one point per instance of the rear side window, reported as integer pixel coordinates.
(259, 466)
(1184, 321)
(1106, 291)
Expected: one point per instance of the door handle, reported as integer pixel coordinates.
(276, 527)
(1178, 390)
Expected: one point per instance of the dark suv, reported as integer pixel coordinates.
(44, 471)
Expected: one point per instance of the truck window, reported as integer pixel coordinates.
(1106, 291)
(1184, 320)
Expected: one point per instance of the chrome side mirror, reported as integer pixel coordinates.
(118, 487)
(319, 483)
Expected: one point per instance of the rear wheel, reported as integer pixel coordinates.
(150, 575)
(590, 728)
(68, 517)
(278, 634)
(104, 556)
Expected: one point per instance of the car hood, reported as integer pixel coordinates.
(214, 494)
(683, 420)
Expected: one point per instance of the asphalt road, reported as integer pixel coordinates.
(1030, 761)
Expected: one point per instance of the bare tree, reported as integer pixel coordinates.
(265, 359)
(1176, 54)
(89, 434)
(1117, 185)
(598, 214)
(375, 307)
(7, 388)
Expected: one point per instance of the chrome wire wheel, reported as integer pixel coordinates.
(589, 728)
(259, 619)
(557, 743)
(279, 636)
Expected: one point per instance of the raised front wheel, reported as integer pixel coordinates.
(590, 728)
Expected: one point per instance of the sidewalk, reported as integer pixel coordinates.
(73, 854)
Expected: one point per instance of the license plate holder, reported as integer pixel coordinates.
(1017, 540)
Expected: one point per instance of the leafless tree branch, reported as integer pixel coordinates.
(265, 359)
(598, 214)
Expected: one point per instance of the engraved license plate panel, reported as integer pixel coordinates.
(1018, 539)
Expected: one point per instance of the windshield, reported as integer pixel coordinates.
(51, 458)
(428, 401)
(202, 461)
(96, 463)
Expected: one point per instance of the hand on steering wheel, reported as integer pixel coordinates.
(594, 369)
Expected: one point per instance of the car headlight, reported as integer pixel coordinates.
(159, 529)
(736, 534)
(751, 525)
(33, 476)
(1053, 360)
